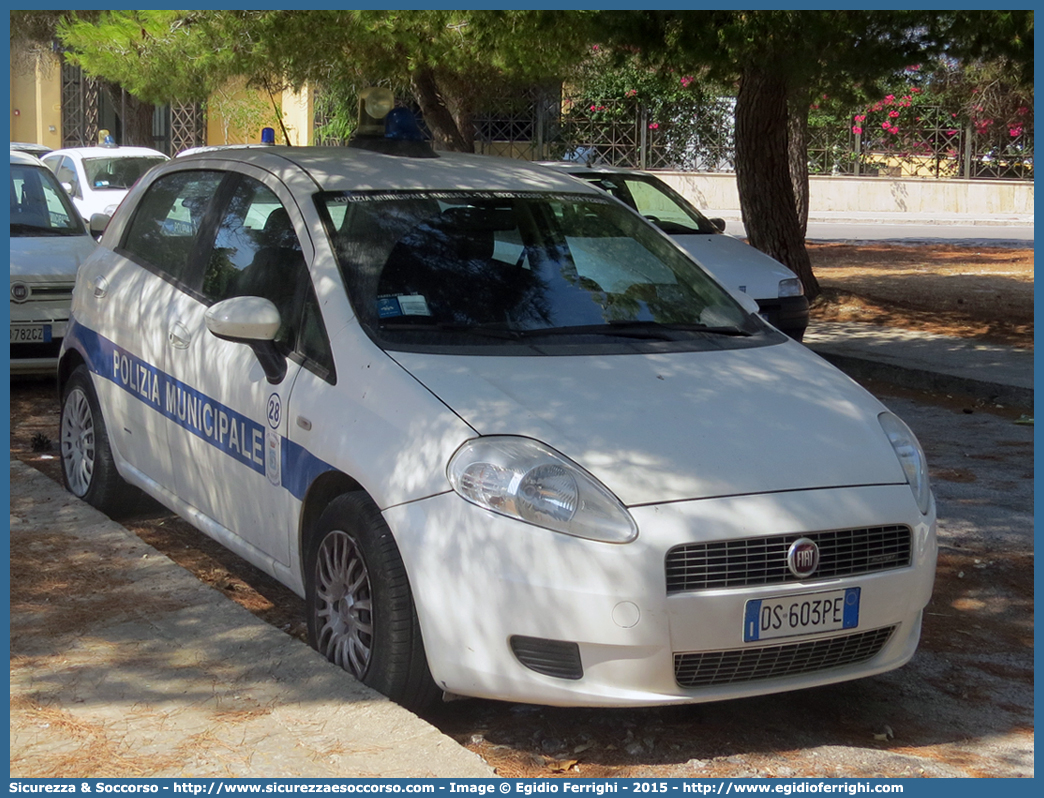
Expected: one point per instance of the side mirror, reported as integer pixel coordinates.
(98, 223)
(718, 224)
(747, 302)
(254, 321)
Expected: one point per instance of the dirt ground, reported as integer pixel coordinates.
(985, 294)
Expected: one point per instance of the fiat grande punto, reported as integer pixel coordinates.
(502, 434)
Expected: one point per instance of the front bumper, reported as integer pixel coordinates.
(482, 581)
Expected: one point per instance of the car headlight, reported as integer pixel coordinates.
(911, 458)
(524, 479)
(791, 287)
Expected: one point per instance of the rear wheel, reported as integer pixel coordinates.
(360, 607)
(88, 468)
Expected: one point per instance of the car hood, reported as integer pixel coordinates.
(736, 265)
(671, 427)
(33, 257)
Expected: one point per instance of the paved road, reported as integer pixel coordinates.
(993, 235)
(1013, 235)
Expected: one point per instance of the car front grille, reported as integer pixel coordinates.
(708, 668)
(763, 561)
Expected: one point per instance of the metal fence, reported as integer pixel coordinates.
(623, 132)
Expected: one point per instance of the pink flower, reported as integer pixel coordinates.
(915, 90)
(893, 114)
(860, 118)
(593, 108)
(654, 126)
(632, 92)
(893, 130)
(857, 130)
(1023, 110)
(1015, 130)
(951, 132)
(686, 81)
(595, 47)
(885, 125)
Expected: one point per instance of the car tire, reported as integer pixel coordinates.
(360, 608)
(88, 468)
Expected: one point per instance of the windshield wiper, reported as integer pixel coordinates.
(438, 326)
(653, 330)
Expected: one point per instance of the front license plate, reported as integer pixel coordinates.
(807, 613)
(31, 334)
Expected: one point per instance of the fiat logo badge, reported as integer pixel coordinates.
(803, 557)
(19, 292)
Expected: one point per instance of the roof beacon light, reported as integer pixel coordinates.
(401, 125)
(386, 129)
(267, 135)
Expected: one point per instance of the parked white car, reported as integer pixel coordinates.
(48, 244)
(98, 178)
(504, 437)
(30, 148)
(738, 266)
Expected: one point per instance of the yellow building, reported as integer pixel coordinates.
(53, 103)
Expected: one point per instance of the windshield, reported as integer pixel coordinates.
(117, 173)
(39, 206)
(454, 268)
(654, 200)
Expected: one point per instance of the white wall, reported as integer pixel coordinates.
(1003, 198)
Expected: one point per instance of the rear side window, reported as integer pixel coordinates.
(163, 231)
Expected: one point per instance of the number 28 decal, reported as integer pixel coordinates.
(275, 410)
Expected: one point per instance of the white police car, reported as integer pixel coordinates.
(504, 436)
(98, 178)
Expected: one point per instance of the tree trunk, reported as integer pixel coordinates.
(797, 151)
(763, 172)
(437, 116)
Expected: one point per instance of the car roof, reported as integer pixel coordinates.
(106, 152)
(30, 147)
(356, 169)
(24, 159)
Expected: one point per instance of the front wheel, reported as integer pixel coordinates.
(360, 607)
(88, 468)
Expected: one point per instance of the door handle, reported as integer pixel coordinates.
(179, 336)
(101, 286)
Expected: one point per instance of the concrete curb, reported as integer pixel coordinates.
(166, 677)
(920, 379)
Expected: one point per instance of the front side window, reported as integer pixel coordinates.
(117, 173)
(167, 220)
(67, 174)
(457, 269)
(39, 207)
(256, 253)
